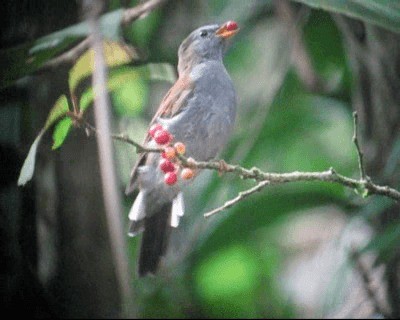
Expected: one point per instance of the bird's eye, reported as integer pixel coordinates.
(204, 34)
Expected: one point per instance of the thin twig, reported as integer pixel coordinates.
(137, 12)
(367, 283)
(242, 195)
(111, 196)
(356, 143)
(121, 137)
(67, 57)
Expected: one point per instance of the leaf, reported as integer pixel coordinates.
(132, 76)
(115, 54)
(159, 71)
(383, 13)
(109, 26)
(28, 167)
(59, 109)
(22, 60)
(60, 132)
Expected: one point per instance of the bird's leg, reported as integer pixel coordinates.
(223, 167)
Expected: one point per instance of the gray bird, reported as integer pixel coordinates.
(199, 110)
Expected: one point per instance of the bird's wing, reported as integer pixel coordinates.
(172, 104)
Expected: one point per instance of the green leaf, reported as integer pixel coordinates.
(60, 132)
(158, 71)
(109, 26)
(115, 54)
(22, 60)
(121, 78)
(59, 109)
(383, 13)
(28, 167)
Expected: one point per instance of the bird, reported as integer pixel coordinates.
(199, 110)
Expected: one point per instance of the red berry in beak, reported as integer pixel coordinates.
(170, 178)
(231, 25)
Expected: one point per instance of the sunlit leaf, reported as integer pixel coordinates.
(59, 110)
(130, 81)
(130, 97)
(28, 167)
(383, 13)
(115, 54)
(158, 71)
(60, 132)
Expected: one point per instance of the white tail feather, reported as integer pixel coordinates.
(177, 210)
(138, 209)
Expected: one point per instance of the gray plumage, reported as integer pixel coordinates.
(199, 110)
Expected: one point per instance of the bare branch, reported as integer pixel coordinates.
(242, 195)
(270, 178)
(129, 15)
(120, 137)
(367, 283)
(69, 56)
(330, 175)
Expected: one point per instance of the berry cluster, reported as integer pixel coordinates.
(169, 163)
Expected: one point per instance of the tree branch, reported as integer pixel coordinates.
(242, 195)
(129, 15)
(268, 178)
(366, 278)
(140, 10)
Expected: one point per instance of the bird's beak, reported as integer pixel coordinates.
(227, 30)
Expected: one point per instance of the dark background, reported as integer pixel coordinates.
(285, 252)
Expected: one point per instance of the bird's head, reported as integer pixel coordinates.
(205, 43)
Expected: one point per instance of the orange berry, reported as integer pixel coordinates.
(187, 174)
(169, 153)
(180, 147)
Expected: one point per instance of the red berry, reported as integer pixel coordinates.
(170, 178)
(231, 25)
(169, 153)
(187, 174)
(166, 166)
(154, 128)
(162, 137)
(180, 147)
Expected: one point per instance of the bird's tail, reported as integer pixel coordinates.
(156, 229)
(154, 241)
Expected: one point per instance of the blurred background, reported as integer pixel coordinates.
(285, 252)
